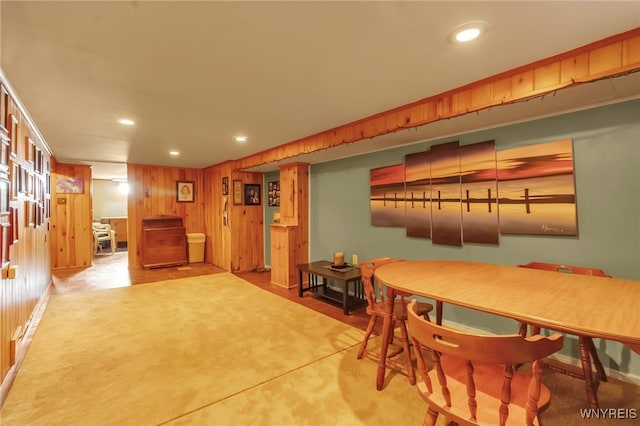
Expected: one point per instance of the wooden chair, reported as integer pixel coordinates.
(584, 340)
(376, 309)
(473, 381)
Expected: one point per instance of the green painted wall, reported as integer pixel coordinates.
(607, 172)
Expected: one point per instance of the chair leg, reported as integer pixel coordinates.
(407, 351)
(367, 334)
(523, 329)
(438, 312)
(590, 385)
(430, 418)
(596, 359)
(393, 335)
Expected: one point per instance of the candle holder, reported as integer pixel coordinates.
(338, 258)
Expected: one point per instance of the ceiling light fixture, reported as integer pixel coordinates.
(240, 138)
(126, 122)
(469, 31)
(174, 153)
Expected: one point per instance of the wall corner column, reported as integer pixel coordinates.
(290, 240)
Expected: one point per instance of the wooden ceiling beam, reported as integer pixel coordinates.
(607, 58)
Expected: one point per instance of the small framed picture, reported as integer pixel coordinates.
(237, 192)
(225, 186)
(64, 184)
(274, 194)
(184, 191)
(252, 194)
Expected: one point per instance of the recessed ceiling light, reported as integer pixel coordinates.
(240, 138)
(469, 31)
(468, 35)
(174, 153)
(126, 122)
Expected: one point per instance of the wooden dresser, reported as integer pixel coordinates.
(164, 241)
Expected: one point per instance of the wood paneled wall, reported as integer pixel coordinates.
(71, 236)
(235, 232)
(153, 192)
(25, 243)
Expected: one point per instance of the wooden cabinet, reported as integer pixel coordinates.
(164, 241)
(118, 224)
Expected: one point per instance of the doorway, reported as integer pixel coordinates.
(109, 196)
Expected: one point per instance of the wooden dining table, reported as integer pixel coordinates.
(581, 305)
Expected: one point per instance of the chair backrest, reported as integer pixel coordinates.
(462, 392)
(556, 267)
(101, 231)
(367, 268)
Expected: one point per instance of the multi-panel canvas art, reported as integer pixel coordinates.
(445, 194)
(479, 193)
(387, 196)
(418, 193)
(537, 190)
(471, 194)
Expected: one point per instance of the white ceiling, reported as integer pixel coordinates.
(194, 74)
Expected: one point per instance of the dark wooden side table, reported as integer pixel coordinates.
(320, 270)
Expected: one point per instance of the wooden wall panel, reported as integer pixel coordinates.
(152, 192)
(238, 244)
(26, 268)
(247, 229)
(71, 236)
(631, 51)
(218, 230)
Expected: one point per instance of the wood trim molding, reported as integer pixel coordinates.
(607, 58)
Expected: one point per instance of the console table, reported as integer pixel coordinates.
(320, 269)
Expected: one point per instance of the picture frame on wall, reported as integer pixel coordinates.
(5, 230)
(237, 192)
(5, 148)
(225, 185)
(184, 191)
(15, 180)
(5, 195)
(251, 194)
(64, 184)
(274, 194)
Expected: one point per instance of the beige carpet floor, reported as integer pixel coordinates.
(216, 350)
(153, 353)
